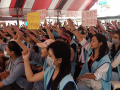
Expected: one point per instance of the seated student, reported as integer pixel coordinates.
(115, 56)
(44, 53)
(74, 45)
(57, 76)
(90, 33)
(30, 43)
(65, 38)
(97, 62)
(2, 56)
(111, 35)
(16, 79)
(38, 57)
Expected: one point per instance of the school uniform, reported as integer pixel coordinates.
(48, 76)
(17, 73)
(74, 59)
(116, 65)
(102, 69)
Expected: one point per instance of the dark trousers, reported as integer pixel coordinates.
(13, 86)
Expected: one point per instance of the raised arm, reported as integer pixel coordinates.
(42, 32)
(85, 29)
(17, 30)
(9, 30)
(74, 31)
(48, 30)
(66, 27)
(29, 74)
(3, 35)
(1, 41)
(115, 24)
(58, 29)
(34, 38)
(36, 33)
(101, 27)
(18, 40)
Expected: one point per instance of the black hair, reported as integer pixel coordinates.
(8, 35)
(63, 38)
(13, 46)
(80, 28)
(103, 48)
(118, 33)
(113, 50)
(73, 46)
(63, 29)
(44, 30)
(4, 39)
(71, 34)
(61, 50)
(32, 33)
(46, 36)
(90, 35)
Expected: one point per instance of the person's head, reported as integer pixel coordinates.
(8, 35)
(99, 42)
(64, 38)
(111, 33)
(44, 45)
(81, 30)
(111, 27)
(59, 54)
(29, 38)
(70, 35)
(63, 30)
(91, 29)
(44, 38)
(116, 38)
(12, 49)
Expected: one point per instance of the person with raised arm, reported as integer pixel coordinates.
(57, 75)
(97, 63)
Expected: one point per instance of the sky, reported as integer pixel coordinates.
(113, 11)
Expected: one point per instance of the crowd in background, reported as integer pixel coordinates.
(54, 57)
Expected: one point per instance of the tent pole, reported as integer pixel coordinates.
(17, 17)
(58, 16)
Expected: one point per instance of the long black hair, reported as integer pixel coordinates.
(13, 46)
(61, 50)
(103, 48)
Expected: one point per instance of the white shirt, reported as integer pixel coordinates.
(116, 62)
(101, 71)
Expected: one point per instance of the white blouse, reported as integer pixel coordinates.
(101, 71)
(116, 62)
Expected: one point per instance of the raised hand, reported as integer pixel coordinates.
(70, 23)
(17, 38)
(40, 27)
(25, 54)
(55, 24)
(45, 24)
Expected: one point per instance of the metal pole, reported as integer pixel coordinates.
(58, 16)
(17, 17)
(49, 18)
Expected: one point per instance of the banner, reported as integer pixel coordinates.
(43, 14)
(89, 18)
(33, 20)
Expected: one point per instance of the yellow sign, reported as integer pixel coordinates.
(33, 20)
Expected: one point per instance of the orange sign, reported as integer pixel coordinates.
(33, 20)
